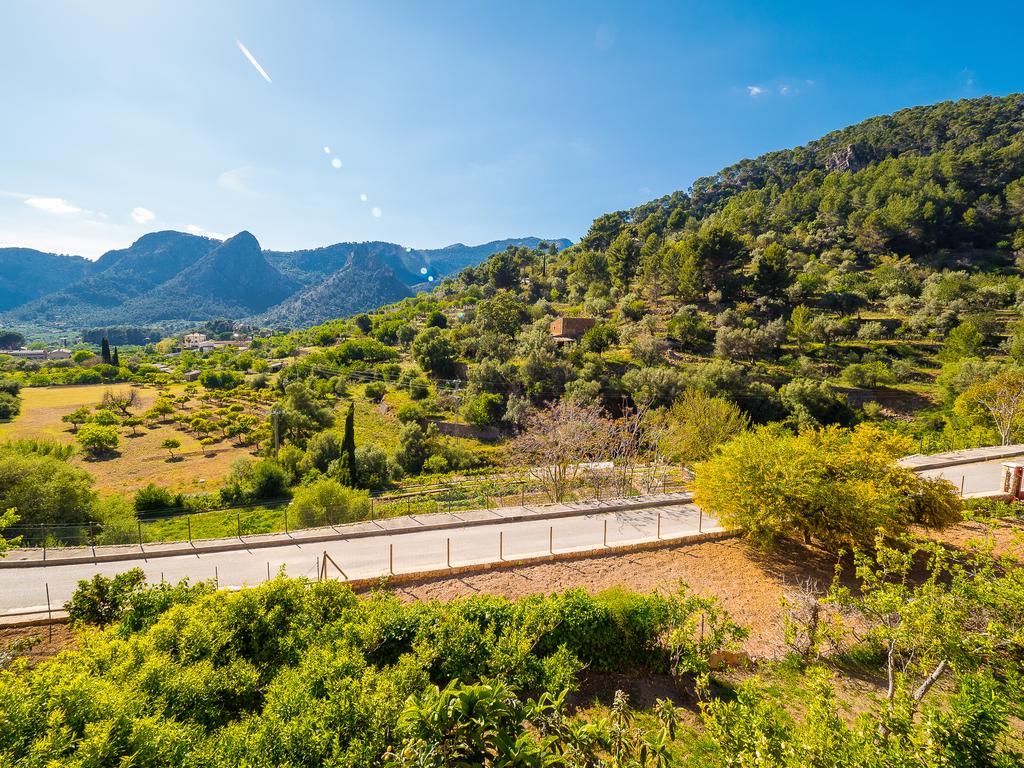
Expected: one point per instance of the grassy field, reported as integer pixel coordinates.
(140, 459)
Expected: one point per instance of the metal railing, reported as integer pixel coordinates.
(278, 516)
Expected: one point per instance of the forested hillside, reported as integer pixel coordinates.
(881, 258)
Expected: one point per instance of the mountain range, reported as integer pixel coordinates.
(173, 277)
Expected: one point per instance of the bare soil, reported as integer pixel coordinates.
(749, 583)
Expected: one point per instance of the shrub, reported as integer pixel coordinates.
(871, 374)
(435, 464)
(10, 406)
(100, 600)
(485, 409)
(840, 486)
(375, 391)
(410, 412)
(253, 480)
(153, 498)
(327, 501)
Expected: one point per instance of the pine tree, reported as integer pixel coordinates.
(105, 351)
(348, 444)
(116, 359)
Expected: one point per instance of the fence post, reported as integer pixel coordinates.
(551, 540)
(49, 612)
(92, 539)
(286, 516)
(44, 543)
(604, 541)
(501, 545)
(238, 524)
(522, 495)
(962, 479)
(216, 578)
(449, 551)
(140, 533)
(391, 559)
(268, 570)
(188, 522)
(658, 533)
(371, 508)
(700, 519)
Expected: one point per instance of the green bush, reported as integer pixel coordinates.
(484, 410)
(327, 501)
(10, 406)
(152, 498)
(375, 391)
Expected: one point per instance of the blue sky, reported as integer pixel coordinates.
(458, 121)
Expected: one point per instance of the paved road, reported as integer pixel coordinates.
(979, 477)
(24, 589)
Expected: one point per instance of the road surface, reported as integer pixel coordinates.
(24, 590)
(977, 477)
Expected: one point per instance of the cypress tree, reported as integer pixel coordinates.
(116, 359)
(348, 444)
(105, 350)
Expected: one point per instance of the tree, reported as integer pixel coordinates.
(97, 439)
(435, 352)
(964, 615)
(171, 444)
(121, 401)
(116, 359)
(770, 272)
(348, 445)
(76, 417)
(966, 340)
(7, 519)
(44, 488)
(837, 485)
(1001, 398)
(412, 448)
(799, 326)
(697, 424)
(105, 351)
(301, 415)
(557, 441)
(133, 423)
(11, 340)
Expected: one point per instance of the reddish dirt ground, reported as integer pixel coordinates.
(749, 584)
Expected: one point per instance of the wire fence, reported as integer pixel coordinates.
(280, 516)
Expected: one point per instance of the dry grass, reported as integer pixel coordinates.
(140, 459)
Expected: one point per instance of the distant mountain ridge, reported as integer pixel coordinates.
(168, 277)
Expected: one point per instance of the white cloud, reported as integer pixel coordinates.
(57, 205)
(327, 150)
(336, 163)
(142, 215)
(247, 179)
(363, 197)
(192, 229)
(377, 213)
(755, 90)
(252, 60)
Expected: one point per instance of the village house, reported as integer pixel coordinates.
(570, 328)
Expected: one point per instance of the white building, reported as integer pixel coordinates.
(193, 340)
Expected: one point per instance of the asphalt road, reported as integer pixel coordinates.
(25, 589)
(979, 477)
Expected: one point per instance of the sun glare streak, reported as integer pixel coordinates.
(252, 60)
